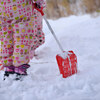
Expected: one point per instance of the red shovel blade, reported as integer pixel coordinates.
(67, 65)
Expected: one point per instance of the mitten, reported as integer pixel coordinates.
(39, 3)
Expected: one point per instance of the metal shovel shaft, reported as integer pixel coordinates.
(53, 33)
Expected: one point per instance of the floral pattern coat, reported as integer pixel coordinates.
(20, 31)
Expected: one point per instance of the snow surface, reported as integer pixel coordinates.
(44, 82)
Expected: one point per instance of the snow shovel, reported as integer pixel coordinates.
(67, 61)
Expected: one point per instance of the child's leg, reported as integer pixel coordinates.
(22, 43)
(37, 24)
(40, 34)
(6, 51)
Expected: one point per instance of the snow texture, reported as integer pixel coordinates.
(44, 82)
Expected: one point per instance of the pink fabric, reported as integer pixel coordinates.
(20, 31)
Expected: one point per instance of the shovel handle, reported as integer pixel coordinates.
(53, 33)
(49, 26)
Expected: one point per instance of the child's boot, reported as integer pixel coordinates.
(8, 70)
(21, 71)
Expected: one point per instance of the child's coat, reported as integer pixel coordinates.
(20, 31)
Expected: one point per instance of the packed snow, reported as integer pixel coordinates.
(44, 82)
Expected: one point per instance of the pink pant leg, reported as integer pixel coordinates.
(37, 24)
(22, 42)
(6, 49)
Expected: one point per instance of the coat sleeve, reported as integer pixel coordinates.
(42, 3)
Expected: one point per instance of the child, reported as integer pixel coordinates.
(20, 34)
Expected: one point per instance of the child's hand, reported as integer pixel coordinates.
(39, 3)
(37, 6)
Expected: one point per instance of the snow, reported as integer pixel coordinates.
(44, 82)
